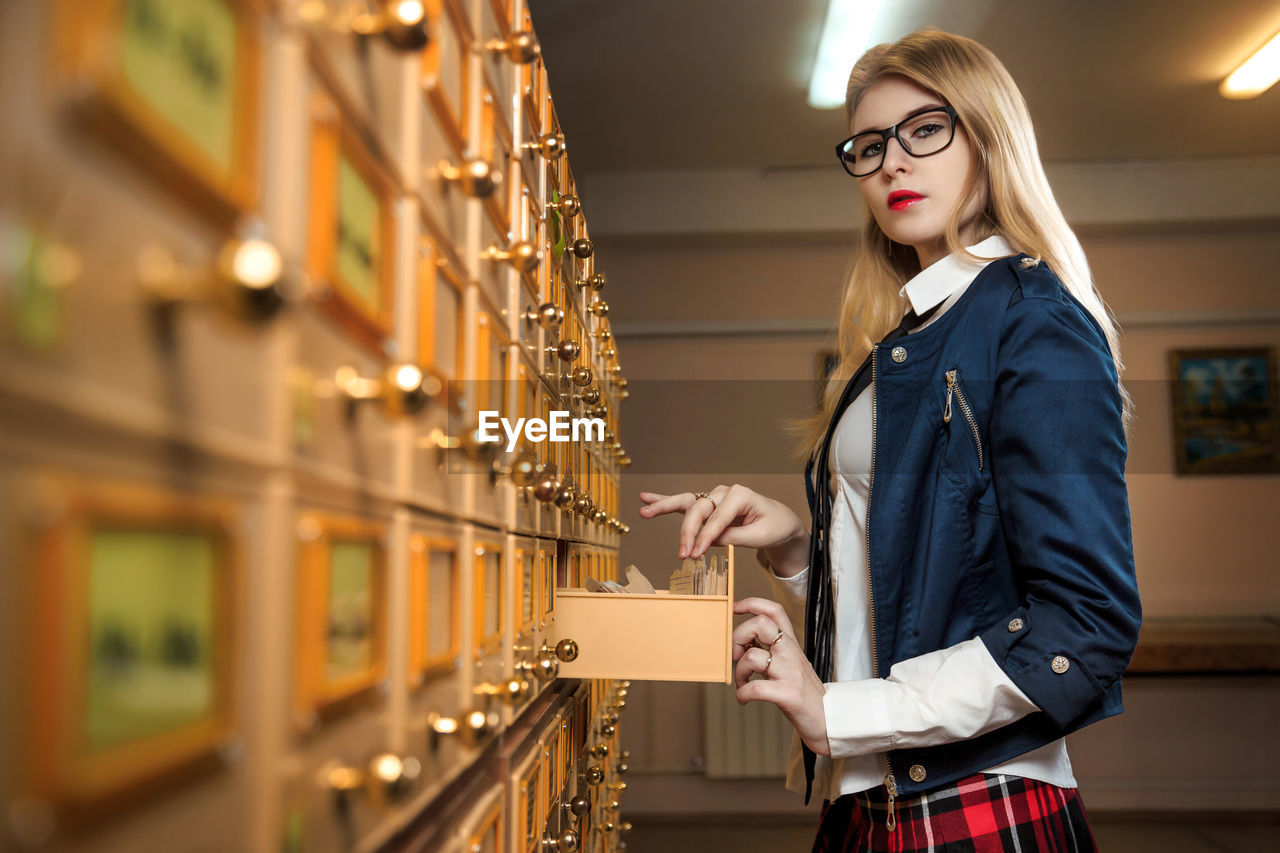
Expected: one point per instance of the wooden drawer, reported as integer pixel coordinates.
(614, 633)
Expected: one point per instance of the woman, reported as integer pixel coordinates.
(975, 598)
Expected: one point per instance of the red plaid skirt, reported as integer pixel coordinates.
(981, 813)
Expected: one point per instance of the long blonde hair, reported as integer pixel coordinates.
(1020, 205)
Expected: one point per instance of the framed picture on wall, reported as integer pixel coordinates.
(176, 85)
(1226, 411)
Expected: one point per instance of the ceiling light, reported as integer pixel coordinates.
(845, 36)
(1256, 75)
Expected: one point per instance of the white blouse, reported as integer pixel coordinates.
(951, 694)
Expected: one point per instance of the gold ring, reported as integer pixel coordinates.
(697, 495)
(768, 663)
(777, 638)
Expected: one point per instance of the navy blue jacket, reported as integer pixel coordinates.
(1007, 521)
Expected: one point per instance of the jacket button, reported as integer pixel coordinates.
(1015, 624)
(899, 354)
(1060, 664)
(916, 773)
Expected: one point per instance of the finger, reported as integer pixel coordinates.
(762, 690)
(724, 509)
(695, 514)
(754, 632)
(754, 661)
(657, 504)
(765, 607)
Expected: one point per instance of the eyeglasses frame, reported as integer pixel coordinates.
(892, 132)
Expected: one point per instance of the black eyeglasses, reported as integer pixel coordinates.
(920, 134)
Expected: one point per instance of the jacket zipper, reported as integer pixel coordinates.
(890, 785)
(953, 385)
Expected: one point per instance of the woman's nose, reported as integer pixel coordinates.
(895, 156)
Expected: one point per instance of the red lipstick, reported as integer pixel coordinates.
(902, 199)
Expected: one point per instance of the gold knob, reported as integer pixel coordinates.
(512, 691)
(600, 308)
(625, 826)
(567, 650)
(604, 334)
(247, 281)
(477, 726)
(617, 786)
(342, 779)
(580, 805)
(568, 842)
(476, 177)
(523, 471)
(567, 350)
(548, 665)
(403, 23)
(550, 146)
(600, 750)
(567, 205)
(403, 389)
(523, 256)
(590, 396)
(615, 369)
(582, 376)
(594, 775)
(622, 383)
(623, 767)
(596, 281)
(549, 316)
(565, 497)
(391, 776)
(584, 504)
(607, 730)
(583, 248)
(599, 516)
(610, 352)
(521, 48)
(547, 489)
(625, 462)
(440, 726)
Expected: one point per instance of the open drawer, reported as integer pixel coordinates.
(659, 637)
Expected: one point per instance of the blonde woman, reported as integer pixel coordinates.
(965, 585)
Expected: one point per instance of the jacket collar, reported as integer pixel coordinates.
(933, 284)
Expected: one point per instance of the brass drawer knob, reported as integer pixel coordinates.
(567, 650)
(589, 396)
(247, 281)
(582, 376)
(403, 23)
(583, 505)
(548, 488)
(549, 316)
(521, 48)
(583, 248)
(548, 665)
(596, 281)
(565, 498)
(476, 178)
(600, 750)
(600, 308)
(403, 389)
(567, 205)
(550, 146)
(566, 350)
(522, 256)
(580, 805)
(391, 777)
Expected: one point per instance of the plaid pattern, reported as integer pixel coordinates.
(977, 814)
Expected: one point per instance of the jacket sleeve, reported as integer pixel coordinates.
(1057, 465)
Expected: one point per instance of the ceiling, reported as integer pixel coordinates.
(717, 84)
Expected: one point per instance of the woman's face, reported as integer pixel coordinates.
(938, 178)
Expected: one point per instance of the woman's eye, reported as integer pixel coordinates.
(872, 150)
(927, 129)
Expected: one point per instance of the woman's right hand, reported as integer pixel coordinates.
(735, 515)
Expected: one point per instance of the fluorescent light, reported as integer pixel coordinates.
(845, 36)
(1256, 75)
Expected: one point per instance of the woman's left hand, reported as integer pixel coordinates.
(767, 644)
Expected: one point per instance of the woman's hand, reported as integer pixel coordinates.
(735, 515)
(768, 645)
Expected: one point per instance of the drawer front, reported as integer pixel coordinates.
(614, 634)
